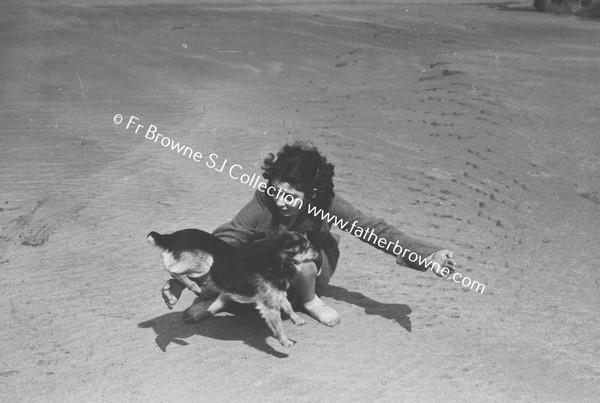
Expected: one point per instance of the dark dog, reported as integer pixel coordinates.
(259, 272)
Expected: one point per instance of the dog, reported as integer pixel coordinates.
(258, 272)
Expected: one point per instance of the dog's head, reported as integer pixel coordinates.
(296, 248)
(284, 252)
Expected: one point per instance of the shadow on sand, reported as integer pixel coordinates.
(396, 312)
(245, 325)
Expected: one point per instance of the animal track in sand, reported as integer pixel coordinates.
(39, 233)
(594, 197)
(350, 57)
(34, 229)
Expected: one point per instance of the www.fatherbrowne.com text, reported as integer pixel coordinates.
(236, 172)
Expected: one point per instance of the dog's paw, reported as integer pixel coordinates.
(171, 292)
(297, 320)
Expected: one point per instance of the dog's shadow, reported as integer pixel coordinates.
(396, 312)
(244, 325)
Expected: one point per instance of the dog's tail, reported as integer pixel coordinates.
(162, 241)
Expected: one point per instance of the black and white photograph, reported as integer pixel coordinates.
(299, 201)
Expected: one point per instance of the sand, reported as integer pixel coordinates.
(470, 124)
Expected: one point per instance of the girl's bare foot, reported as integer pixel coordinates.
(171, 292)
(322, 312)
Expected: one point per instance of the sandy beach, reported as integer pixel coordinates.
(471, 124)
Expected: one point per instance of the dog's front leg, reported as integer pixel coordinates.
(189, 284)
(206, 309)
(273, 319)
(287, 308)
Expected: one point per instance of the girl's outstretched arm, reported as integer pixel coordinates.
(409, 251)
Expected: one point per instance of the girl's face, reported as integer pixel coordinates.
(286, 199)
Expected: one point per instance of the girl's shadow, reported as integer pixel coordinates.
(396, 312)
(246, 325)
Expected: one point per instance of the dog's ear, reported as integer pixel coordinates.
(288, 253)
(286, 267)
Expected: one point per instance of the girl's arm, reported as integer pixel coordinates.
(245, 225)
(383, 236)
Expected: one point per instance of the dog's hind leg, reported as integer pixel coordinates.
(171, 292)
(287, 308)
(189, 284)
(273, 319)
(205, 309)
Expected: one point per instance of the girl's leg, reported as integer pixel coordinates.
(304, 283)
(324, 274)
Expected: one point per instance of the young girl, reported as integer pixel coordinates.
(297, 178)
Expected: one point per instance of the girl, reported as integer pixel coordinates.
(300, 177)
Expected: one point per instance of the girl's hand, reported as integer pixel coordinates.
(444, 259)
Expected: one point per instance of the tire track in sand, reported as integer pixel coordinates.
(33, 229)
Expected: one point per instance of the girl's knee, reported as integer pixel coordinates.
(308, 269)
(323, 278)
(310, 272)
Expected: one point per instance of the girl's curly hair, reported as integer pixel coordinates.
(305, 169)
